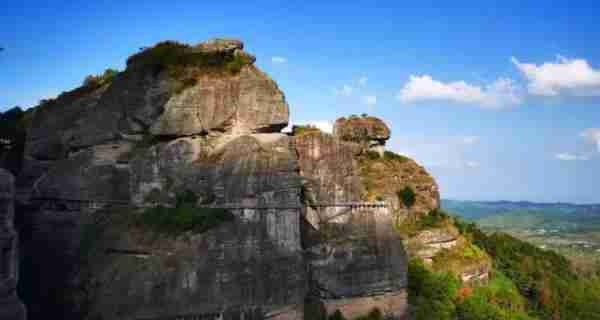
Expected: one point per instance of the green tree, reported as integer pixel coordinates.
(407, 196)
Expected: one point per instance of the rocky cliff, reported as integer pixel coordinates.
(279, 225)
(168, 191)
(11, 307)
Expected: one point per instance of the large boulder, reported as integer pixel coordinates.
(169, 90)
(247, 102)
(11, 307)
(369, 131)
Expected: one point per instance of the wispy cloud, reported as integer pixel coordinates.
(278, 60)
(571, 157)
(362, 81)
(593, 136)
(470, 139)
(499, 94)
(570, 76)
(345, 90)
(472, 164)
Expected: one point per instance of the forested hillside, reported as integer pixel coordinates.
(526, 283)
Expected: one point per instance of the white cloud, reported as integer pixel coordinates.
(362, 81)
(470, 140)
(472, 164)
(573, 76)
(592, 135)
(499, 94)
(346, 91)
(278, 60)
(370, 101)
(570, 157)
(323, 125)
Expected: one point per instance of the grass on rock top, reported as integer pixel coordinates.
(414, 223)
(381, 175)
(299, 130)
(171, 55)
(180, 60)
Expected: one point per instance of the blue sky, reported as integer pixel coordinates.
(498, 101)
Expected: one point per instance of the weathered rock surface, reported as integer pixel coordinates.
(100, 154)
(143, 101)
(11, 307)
(359, 255)
(366, 130)
(329, 167)
(427, 243)
(383, 178)
(356, 258)
(247, 102)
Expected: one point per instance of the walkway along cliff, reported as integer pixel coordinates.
(168, 191)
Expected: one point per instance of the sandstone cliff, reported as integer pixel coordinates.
(199, 120)
(167, 190)
(385, 176)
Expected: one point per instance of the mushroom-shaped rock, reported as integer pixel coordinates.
(365, 130)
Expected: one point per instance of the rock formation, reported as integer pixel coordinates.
(366, 130)
(314, 214)
(11, 307)
(383, 175)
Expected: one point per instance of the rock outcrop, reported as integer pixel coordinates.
(356, 257)
(11, 307)
(369, 131)
(202, 120)
(382, 175)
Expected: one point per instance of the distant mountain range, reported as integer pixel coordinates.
(475, 210)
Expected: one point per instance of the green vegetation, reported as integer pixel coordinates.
(184, 217)
(172, 56)
(568, 229)
(440, 295)
(528, 282)
(432, 294)
(407, 196)
(435, 218)
(371, 155)
(414, 223)
(182, 62)
(464, 257)
(391, 156)
(299, 130)
(383, 176)
(99, 80)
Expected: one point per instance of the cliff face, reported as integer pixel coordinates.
(11, 307)
(385, 176)
(202, 120)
